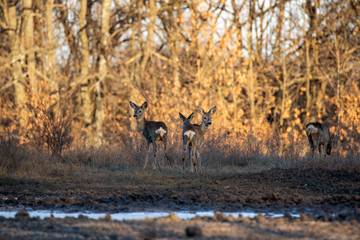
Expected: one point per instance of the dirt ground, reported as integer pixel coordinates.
(328, 201)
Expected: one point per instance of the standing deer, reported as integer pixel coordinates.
(193, 136)
(319, 137)
(153, 132)
(187, 135)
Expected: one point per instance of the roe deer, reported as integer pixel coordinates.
(319, 137)
(153, 132)
(187, 135)
(193, 136)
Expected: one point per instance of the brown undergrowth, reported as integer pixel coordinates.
(222, 154)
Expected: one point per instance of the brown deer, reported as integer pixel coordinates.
(153, 132)
(187, 135)
(319, 137)
(193, 136)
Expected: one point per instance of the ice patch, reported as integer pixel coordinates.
(42, 214)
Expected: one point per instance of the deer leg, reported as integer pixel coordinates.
(185, 149)
(193, 163)
(312, 150)
(316, 145)
(147, 156)
(311, 143)
(165, 152)
(198, 160)
(189, 152)
(156, 161)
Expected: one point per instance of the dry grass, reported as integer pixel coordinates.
(221, 155)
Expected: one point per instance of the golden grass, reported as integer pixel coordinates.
(120, 166)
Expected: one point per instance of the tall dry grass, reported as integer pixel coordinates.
(222, 153)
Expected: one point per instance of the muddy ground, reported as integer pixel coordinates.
(329, 201)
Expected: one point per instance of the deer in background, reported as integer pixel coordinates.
(319, 137)
(193, 136)
(187, 135)
(153, 132)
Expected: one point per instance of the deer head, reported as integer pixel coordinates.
(186, 120)
(206, 116)
(139, 111)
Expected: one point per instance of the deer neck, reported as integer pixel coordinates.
(203, 128)
(186, 124)
(141, 123)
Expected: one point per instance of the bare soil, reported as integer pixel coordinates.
(328, 200)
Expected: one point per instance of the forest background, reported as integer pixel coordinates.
(69, 68)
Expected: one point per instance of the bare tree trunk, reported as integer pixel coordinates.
(175, 63)
(103, 70)
(40, 38)
(139, 5)
(84, 71)
(175, 47)
(16, 58)
(133, 81)
(149, 41)
(284, 93)
(320, 97)
(132, 55)
(239, 39)
(315, 47)
(259, 32)
(280, 20)
(311, 12)
(28, 41)
(316, 26)
(338, 89)
(279, 58)
(136, 67)
(237, 23)
(71, 40)
(54, 87)
(307, 77)
(251, 79)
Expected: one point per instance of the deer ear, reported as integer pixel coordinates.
(190, 117)
(182, 117)
(200, 110)
(133, 105)
(144, 106)
(213, 110)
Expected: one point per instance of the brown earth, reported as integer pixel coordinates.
(329, 201)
